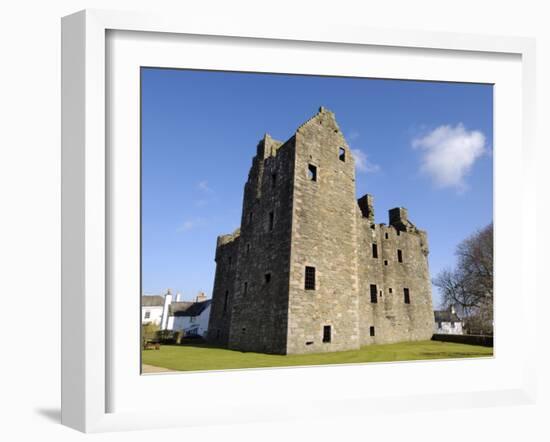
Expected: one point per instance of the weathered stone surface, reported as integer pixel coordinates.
(299, 210)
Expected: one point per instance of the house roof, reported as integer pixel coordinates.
(176, 308)
(189, 308)
(152, 301)
(445, 316)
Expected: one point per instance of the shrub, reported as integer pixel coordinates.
(148, 331)
(168, 336)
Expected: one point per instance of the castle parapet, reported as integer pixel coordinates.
(399, 218)
(229, 238)
(366, 204)
(267, 147)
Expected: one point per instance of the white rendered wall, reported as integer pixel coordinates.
(178, 323)
(447, 329)
(170, 323)
(155, 314)
(164, 321)
(203, 321)
(186, 323)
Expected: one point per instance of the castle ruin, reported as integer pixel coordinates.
(309, 270)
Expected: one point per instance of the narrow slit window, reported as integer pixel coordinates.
(342, 154)
(225, 299)
(312, 172)
(373, 292)
(399, 255)
(385, 262)
(390, 290)
(248, 248)
(375, 250)
(245, 289)
(273, 180)
(250, 218)
(271, 220)
(386, 235)
(310, 278)
(406, 296)
(371, 330)
(327, 332)
(267, 278)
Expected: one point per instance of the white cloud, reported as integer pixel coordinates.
(362, 163)
(353, 135)
(449, 154)
(189, 224)
(203, 186)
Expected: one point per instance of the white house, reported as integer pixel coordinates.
(191, 318)
(152, 307)
(447, 322)
(170, 313)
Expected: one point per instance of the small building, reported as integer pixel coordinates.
(152, 307)
(170, 313)
(155, 309)
(447, 322)
(191, 317)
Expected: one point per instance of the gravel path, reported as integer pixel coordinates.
(152, 369)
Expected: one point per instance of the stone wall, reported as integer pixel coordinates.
(223, 291)
(260, 284)
(393, 319)
(323, 237)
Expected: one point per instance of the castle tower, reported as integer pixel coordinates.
(250, 296)
(296, 277)
(323, 292)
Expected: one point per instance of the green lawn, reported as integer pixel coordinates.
(205, 357)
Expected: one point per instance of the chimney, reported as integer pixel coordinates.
(166, 310)
(200, 297)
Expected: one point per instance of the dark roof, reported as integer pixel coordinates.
(189, 308)
(178, 307)
(152, 301)
(445, 316)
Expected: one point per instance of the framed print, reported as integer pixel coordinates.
(289, 294)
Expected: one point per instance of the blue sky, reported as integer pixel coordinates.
(426, 146)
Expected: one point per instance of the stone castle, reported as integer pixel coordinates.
(309, 270)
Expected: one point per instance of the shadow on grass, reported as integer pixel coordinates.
(199, 343)
(451, 355)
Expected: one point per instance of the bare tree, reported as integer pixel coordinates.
(469, 287)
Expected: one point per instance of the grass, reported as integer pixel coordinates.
(201, 356)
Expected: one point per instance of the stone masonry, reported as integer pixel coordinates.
(309, 270)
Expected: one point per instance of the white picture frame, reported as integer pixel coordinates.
(86, 203)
